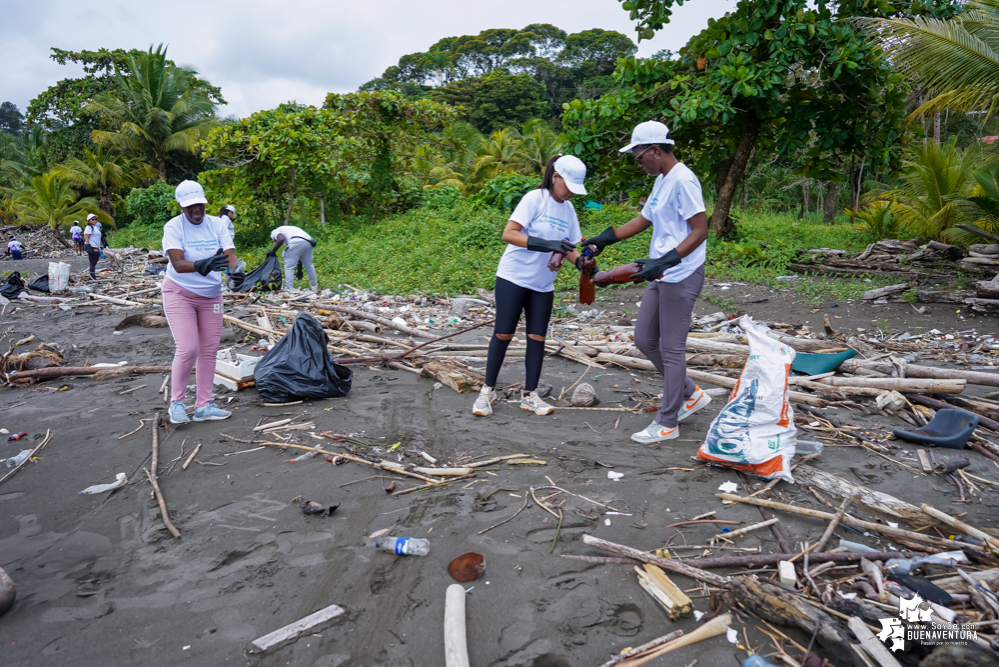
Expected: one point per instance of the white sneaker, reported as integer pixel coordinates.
(484, 403)
(534, 403)
(696, 401)
(654, 433)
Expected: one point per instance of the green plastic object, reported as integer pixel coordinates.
(817, 364)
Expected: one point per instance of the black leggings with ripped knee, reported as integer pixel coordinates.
(511, 301)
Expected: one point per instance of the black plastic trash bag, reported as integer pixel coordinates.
(265, 277)
(41, 283)
(14, 286)
(300, 367)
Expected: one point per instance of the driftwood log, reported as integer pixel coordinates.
(385, 322)
(146, 321)
(987, 289)
(875, 501)
(60, 371)
(927, 372)
(899, 384)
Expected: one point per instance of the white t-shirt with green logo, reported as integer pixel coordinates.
(545, 218)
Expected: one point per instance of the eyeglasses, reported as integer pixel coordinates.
(638, 156)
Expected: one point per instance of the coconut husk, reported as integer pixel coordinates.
(584, 396)
(44, 356)
(147, 321)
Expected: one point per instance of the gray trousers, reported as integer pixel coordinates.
(661, 335)
(298, 249)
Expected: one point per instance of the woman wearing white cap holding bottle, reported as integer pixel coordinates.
(543, 222)
(674, 269)
(199, 247)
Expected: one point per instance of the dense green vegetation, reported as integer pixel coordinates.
(803, 121)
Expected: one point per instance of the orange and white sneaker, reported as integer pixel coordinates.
(484, 402)
(696, 401)
(654, 433)
(534, 403)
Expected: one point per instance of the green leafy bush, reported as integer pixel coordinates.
(153, 205)
(442, 196)
(504, 191)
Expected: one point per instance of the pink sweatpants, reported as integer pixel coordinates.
(196, 324)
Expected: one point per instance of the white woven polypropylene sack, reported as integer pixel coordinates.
(755, 430)
(58, 277)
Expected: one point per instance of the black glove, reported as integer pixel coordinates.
(602, 240)
(544, 245)
(653, 268)
(272, 252)
(209, 264)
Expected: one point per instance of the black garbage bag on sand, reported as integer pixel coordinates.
(266, 277)
(300, 367)
(14, 286)
(41, 283)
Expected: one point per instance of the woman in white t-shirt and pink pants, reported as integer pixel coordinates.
(199, 247)
(674, 269)
(543, 222)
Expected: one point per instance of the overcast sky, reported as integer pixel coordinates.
(266, 53)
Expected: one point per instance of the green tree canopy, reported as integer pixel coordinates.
(157, 108)
(11, 118)
(783, 74)
(274, 156)
(61, 109)
(497, 100)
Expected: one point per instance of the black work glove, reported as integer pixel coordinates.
(544, 245)
(209, 264)
(653, 268)
(272, 252)
(601, 240)
(237, 277)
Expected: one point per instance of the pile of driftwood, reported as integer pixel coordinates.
(38, 242)
(906, 259)
(841, 596)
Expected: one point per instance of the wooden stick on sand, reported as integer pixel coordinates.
(152, 479)
(713, 628)
(455, 645)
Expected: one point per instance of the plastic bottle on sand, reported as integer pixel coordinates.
(15, 461)
(757, 661)
(404, 546)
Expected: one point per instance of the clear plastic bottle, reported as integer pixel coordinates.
(19, 459)
(404, 546)
(757, 661)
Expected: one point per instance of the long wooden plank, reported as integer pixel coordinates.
(293, 631)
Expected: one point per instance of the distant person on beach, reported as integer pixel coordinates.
(674, 269)
(298, 248)
(199, 247)
(228, 214)
(543, 223)
(76, 232)
(14, 248)
(92, 243)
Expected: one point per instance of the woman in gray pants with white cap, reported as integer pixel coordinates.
(674, 269)
(298, 248)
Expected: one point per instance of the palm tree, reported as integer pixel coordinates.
(162, 110)
(439, 62)
(982, 207)
(935, 178)
(958, 58)
(50, 200)
(497, 155)
(539, 142)
(104, 172)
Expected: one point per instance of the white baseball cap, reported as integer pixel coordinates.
(573, 172)
(230, 208)
(190, 192)
(92, 216)
(649, 132)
